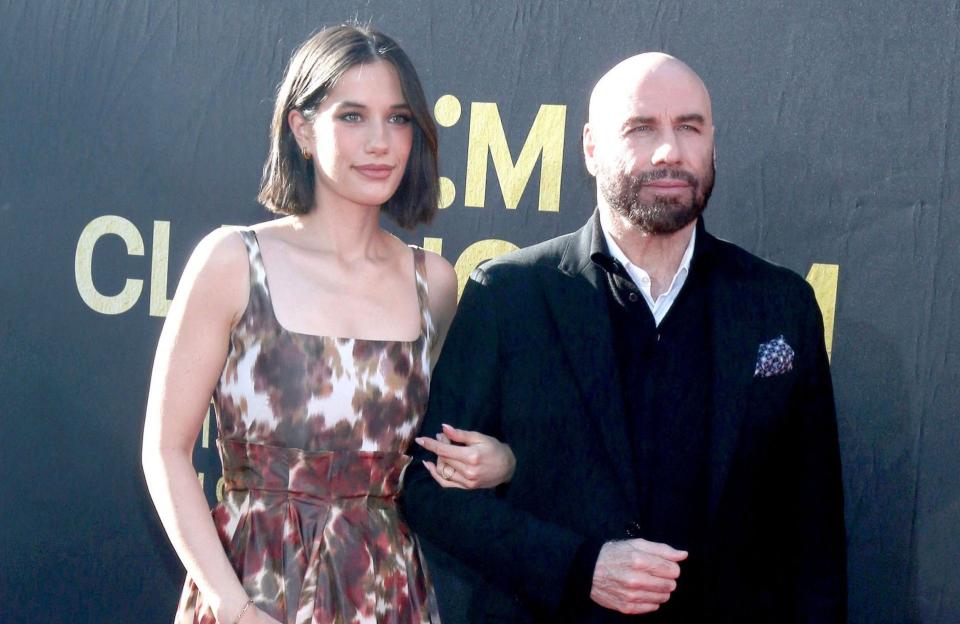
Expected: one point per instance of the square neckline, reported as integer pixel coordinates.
(341, 339)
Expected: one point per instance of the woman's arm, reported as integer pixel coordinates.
(211, 296)
(465, 459)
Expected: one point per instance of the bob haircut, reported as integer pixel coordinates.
(287, 186)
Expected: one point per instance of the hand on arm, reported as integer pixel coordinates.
(468, 459)
(635, 576)
(210, 297)
(514, 549)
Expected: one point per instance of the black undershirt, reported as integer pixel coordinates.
(666, 377)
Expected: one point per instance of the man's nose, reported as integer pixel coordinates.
(668, 152)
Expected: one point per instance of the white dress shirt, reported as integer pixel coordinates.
(641, 278)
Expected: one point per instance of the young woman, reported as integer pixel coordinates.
(315, 334)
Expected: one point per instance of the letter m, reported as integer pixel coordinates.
(545, 141)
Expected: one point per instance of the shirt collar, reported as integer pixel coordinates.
(617, 254)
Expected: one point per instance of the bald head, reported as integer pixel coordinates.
(645, 75)
(649, 142)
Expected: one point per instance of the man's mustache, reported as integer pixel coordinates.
(659, 174)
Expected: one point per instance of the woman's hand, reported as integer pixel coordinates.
(468, 459)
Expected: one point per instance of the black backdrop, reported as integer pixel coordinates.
(130, 129)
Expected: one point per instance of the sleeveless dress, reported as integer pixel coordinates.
(313, 431)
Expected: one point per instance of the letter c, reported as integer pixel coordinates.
(83, 264)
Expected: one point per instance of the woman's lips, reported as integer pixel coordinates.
(375, 172)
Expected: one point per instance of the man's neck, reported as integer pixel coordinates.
(657, 254)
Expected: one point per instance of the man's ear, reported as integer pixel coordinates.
(588, 149)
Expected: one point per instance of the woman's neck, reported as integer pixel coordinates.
(349, 231)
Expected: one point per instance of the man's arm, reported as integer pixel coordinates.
(550, 566)
(820, 545)
(520, 552)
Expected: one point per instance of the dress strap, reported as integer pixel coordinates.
(259, 299)
(423, 294)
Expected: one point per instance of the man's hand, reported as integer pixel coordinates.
(635, 576)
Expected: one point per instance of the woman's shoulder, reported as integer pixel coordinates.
(218, 270)
(221, 250)
(440, 273)
(442, 286)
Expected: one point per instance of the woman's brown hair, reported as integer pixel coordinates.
(288, 181)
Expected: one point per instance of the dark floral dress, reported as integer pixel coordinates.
(313, 431)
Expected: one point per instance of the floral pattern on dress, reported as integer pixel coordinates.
(313, 431)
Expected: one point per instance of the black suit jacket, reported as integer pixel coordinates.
(529, 360)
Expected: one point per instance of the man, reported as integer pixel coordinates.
(666, 394)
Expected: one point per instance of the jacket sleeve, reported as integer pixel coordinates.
(519, 552)
(819, 548)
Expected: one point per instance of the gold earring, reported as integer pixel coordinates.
(305, 153)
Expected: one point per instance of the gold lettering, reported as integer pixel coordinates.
(83, 264)
(545, 141)
(448, 193)
(159, 304)
(824, 278)
(433, 244)
(221, 486)
(447, 110)
(205, 436)
(474, 255)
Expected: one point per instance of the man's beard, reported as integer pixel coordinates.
(666, 214)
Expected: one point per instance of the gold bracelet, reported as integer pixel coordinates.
(236, 620)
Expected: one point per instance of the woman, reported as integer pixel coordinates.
(315, 334)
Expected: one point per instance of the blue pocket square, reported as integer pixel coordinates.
(774, 358)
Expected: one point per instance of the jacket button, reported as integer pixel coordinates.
(633, 297)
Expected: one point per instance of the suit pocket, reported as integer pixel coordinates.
(769, 403)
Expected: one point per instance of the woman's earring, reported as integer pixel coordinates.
(305, 153)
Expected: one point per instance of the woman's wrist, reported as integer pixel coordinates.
(228, 610)
(247, 608)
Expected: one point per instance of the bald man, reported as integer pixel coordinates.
(666, 394)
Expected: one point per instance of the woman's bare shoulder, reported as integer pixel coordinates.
(217, 272)
(220, 253)
(440, 274)
(442, 286)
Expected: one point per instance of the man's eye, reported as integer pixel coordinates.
(688, 128)
(642, 129)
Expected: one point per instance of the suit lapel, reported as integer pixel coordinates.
(732, 319)
(578, 304)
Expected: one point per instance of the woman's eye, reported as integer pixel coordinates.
(350, 116)
(400, 119)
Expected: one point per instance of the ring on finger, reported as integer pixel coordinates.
(447, 471)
